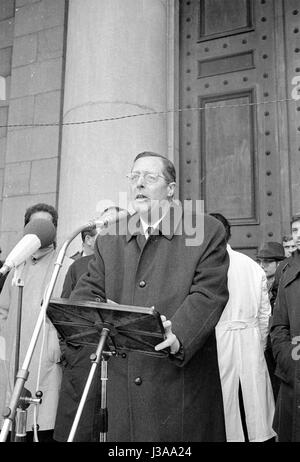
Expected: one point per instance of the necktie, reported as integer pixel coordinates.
(141, 240)
(149, 231)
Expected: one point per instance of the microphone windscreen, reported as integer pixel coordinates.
(43, 229)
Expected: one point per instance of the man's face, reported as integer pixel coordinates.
(147, 197)
(269, 267)
(296, 233)
(289, 247)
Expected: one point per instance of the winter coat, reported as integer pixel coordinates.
(166, 398)
(285, 337)
(241, 335)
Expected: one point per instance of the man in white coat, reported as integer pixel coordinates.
(241, 335)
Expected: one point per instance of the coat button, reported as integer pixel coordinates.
(138, 381)
(142, 283)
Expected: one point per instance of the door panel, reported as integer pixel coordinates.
(221, 17)
(229, 153)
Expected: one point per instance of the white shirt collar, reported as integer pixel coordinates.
(145, 226)
(154, 226)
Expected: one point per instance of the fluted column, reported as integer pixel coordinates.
(116, 65)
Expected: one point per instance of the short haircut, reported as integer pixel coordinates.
(295, 218)
(41, 207)
(88, 231)
(287, 238)
(224, 222)
(168, 166)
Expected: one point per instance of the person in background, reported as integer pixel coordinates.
(79, 266)
(246, 386)
(269, 255)
(285, 336)
(35, 274)
(271, 258)
(88, 237)
(288, 245)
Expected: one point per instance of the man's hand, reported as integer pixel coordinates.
(171, 339)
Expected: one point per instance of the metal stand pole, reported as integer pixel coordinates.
(103, 410)
(20, 285)
(95, 360)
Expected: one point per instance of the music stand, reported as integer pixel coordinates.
(119, 328)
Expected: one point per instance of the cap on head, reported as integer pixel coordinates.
(271, 251)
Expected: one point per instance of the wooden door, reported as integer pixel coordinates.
(231, 127)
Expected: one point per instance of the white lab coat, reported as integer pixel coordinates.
(241, 335)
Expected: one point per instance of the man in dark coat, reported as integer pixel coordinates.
(271, 258)
(176, 397)
(285, 337)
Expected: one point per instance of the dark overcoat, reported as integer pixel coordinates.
(154, 398)
(286, 350)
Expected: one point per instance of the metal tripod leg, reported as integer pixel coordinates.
(103, 410)
(103, 336)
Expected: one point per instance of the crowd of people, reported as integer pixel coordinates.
(231, 326)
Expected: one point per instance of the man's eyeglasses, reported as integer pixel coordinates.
(150, 178)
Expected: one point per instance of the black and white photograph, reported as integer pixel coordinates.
(150, 224)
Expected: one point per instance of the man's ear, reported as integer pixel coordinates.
(171, 189)
(87, 240)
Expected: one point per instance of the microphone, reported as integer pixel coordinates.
(38, 233)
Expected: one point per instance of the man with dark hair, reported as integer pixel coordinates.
(44, 209)
(35, 273)
(177, 396)
(88, 237)
(241, 335)
(168, 167)
(285, 335)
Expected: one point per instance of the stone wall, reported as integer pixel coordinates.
(7, 12)
(30, 154)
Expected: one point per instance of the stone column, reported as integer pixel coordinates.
(116, 66)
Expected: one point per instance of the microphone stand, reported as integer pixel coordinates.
(23, 373)
(102, 356)
(20, 284)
